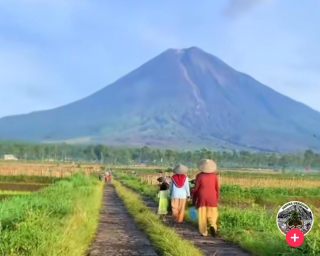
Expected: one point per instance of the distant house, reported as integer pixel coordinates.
(68, 159)
(141, 165)
(49, 160)
(10, 158)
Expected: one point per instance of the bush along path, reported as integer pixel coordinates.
(117, 233)
(188, 231)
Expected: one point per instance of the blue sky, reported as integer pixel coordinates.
(53, 52)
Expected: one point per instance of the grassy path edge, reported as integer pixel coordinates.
(164, 239)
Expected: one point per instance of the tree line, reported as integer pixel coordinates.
(145, 155)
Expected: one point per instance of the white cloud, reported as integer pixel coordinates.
(236, 8)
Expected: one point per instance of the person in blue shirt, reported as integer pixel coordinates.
(179, 192)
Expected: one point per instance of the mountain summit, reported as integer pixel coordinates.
(180, 99)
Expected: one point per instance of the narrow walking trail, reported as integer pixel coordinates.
(208, 245)
(117, 233)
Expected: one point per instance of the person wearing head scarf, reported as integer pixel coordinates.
(205, 196)
(179, 192)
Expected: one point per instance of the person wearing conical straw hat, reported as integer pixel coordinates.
(205, 197)
(179, 192)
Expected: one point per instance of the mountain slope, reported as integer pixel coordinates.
(185, 98)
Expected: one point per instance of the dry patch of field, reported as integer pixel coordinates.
(45, 169)
(270, 182)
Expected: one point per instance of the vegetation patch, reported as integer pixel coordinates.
(21, 186)
(14, 192)
(60, 219)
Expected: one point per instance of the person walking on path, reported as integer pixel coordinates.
(163, 196)
(107, 177)
(205, 197)
(179, 192)
(110, 174)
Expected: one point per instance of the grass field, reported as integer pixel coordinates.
(60, 219)
(248, 212)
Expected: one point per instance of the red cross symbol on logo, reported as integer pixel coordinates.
(294, 237)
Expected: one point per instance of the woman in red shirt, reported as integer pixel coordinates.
(205, 196)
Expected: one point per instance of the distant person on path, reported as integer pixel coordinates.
(205, 197)
(107, 177)
(163, 196)
(179, 192)
(110, 172)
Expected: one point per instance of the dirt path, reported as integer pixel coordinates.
(209, 245)
(117, 233)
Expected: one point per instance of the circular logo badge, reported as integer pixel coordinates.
(295, 215)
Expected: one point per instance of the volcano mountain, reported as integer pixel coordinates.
(181, 99)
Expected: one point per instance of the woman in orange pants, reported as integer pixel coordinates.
(205, 197)
(179, 192)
